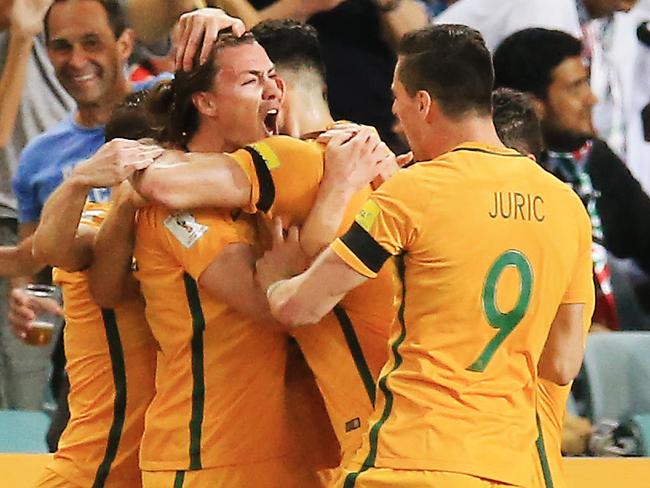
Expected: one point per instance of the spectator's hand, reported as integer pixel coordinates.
(284, 260)
(23, 309)
(199, 30)
(114, 162)
(27, 16)
(356, 158)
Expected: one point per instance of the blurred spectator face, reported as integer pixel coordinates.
(245, 96)
(86, 55)
(603, 8)
(569, 99)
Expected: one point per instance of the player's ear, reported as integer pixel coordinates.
(205, 103)
(539, 107)
(424, 104)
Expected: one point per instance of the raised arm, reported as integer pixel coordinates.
(194, 180)
(56, 241)
(26, 21)
(109, 275)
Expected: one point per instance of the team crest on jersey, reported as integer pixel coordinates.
(367, 215)
(185, 228)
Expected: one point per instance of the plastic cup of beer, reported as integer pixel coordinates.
(43, 326)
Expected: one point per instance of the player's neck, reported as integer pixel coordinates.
(208, 138)
(448, 134)
(306, 111)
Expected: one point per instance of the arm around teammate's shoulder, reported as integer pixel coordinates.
(194, 180)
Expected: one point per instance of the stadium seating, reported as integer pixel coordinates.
(616, 370)
(23, 431)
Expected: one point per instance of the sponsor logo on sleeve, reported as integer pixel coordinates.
(268, 154)
(367, 215)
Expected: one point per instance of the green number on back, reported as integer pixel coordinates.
(503, 322)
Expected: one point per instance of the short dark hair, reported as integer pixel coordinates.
(170, 105)
(525, 60)
(452, 64)
(516, 122)
(291, 44)
(129, 120)
(117, 17)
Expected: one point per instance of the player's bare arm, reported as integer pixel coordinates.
(215, 180)
(56, 240)
(285, 259)
(18, 260)
(353, 159)
(562, 355)
(306, 298)
(231, 277)
(109, 275)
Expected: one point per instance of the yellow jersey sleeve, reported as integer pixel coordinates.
(387, 224)
(195, 238)
(284, 173)
(581, 286)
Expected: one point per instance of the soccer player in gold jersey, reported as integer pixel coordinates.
(287, 178)
(220, 375)
(110, 352)
(518, 127)
(497, 282)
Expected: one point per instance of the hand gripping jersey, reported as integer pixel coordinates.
(492, 244)
(347, 349)
(111, 358)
